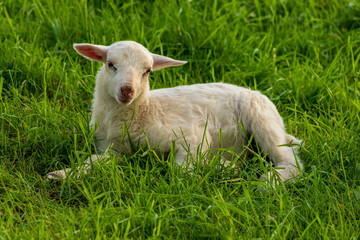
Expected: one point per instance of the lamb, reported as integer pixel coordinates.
(186, 115)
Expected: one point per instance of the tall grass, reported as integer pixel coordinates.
(304, 55)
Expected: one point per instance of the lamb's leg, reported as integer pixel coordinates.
(268, 129)
(285, 159)
(62, 174)
(185, 157)
(188, 150)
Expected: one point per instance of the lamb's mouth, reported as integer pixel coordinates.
(125, 100)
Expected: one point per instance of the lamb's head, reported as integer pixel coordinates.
(126, 68)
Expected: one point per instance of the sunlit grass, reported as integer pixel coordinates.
(303, 55)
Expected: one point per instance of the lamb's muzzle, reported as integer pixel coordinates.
(190, 116)
(126, 94)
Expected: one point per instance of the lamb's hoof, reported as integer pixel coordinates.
(270, 181)
(57, 175)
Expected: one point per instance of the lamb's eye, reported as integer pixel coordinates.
(148, 70)
(111, 66)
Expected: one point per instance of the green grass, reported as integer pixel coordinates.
(304, 55)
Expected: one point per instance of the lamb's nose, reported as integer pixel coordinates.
(127, 91)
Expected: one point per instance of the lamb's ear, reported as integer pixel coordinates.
(164, 62)
(92, 52)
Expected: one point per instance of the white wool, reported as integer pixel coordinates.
(181, 114)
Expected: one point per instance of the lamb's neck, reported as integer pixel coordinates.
(104, 104)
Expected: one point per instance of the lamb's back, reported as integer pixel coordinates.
(215, 105)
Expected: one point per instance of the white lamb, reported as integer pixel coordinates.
(186, 115)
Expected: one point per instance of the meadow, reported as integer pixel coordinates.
(303, 55)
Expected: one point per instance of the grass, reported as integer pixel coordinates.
(304, 55)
